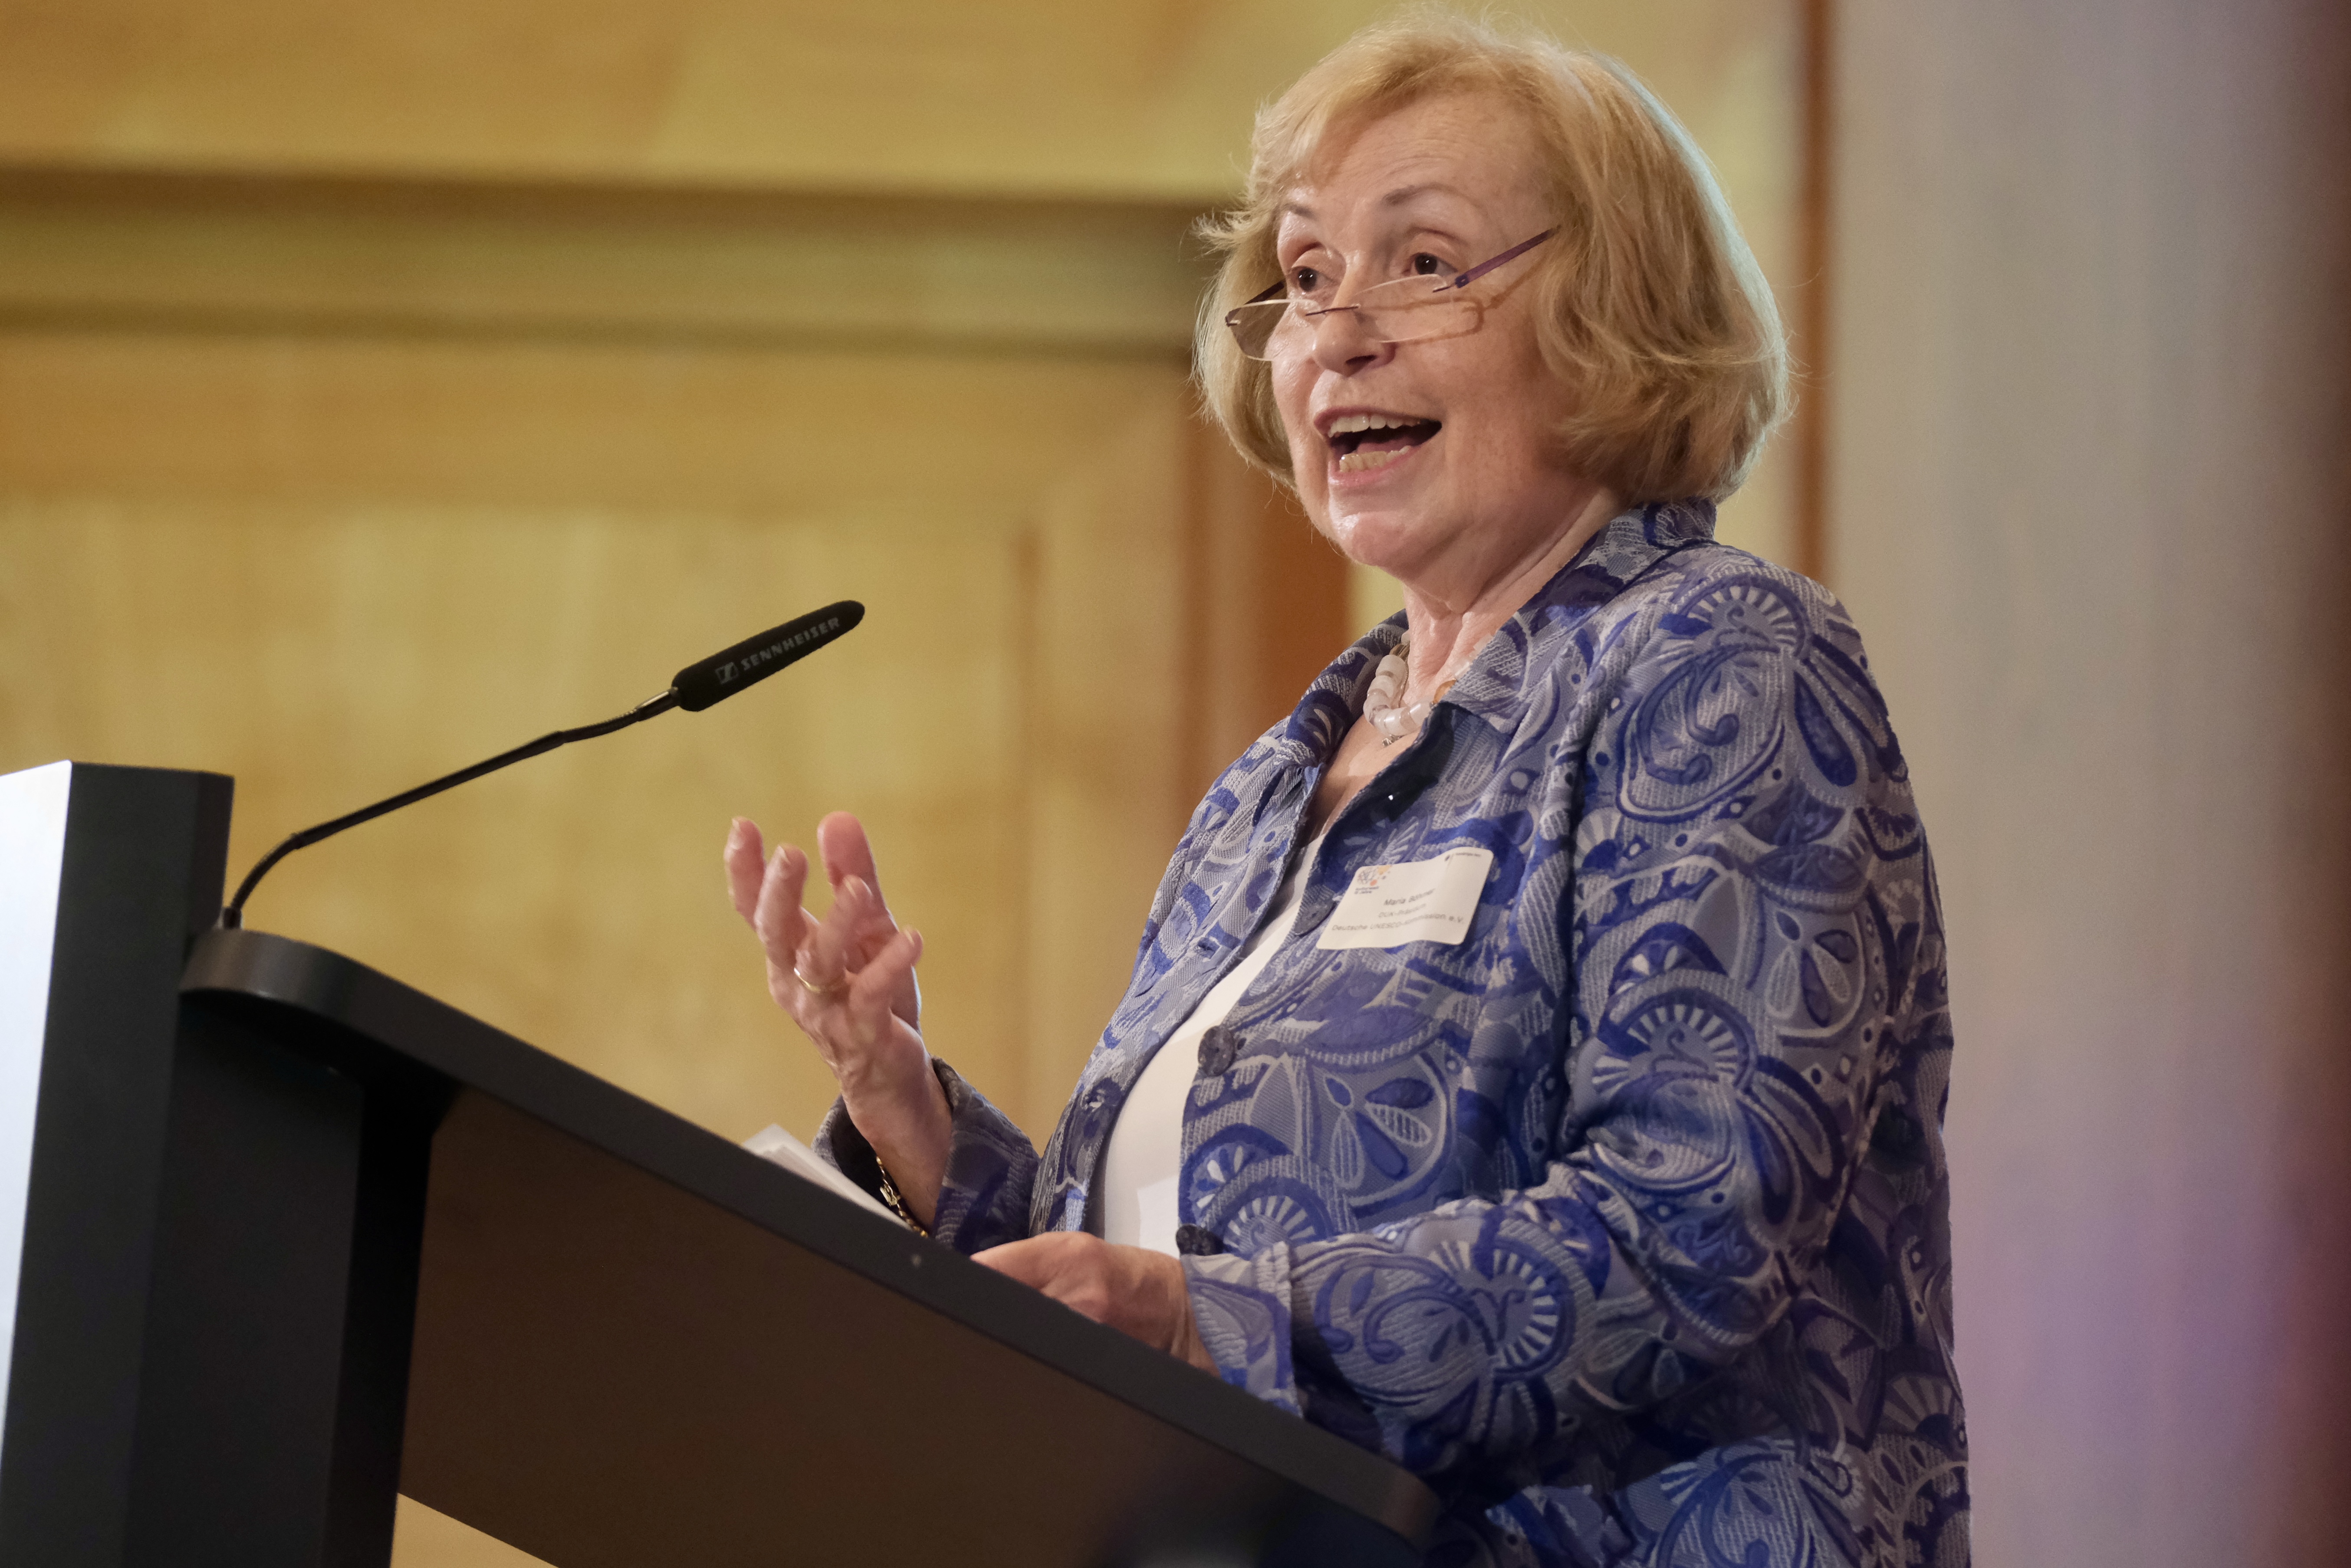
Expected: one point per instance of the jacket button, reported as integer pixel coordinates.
(1219, 1046)
(1197, 1241)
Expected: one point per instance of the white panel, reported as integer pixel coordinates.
(2089, 510)
(32, 856)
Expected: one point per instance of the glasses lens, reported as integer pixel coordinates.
(1253, 324)
(1413, 308)
(1405, 311)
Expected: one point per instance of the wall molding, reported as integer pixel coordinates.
(249, 252)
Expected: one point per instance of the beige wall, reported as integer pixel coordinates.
(1147, 101)
(382, 386)
(2091, 417)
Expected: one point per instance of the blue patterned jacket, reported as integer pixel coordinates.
(1621, 1221)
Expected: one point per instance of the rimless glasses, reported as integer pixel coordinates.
(1281, 320)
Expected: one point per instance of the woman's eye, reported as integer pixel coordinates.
(1305, 279)
(1427, 266)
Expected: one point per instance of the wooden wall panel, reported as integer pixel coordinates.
(335, 562)
(364, 612)
(313, 415)
(1105, 747)
(1268, 604)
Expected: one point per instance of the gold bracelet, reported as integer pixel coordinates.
(897, 1204)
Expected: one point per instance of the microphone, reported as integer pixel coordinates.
(694, 688)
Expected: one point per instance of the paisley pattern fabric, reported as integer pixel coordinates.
(1622, 1220)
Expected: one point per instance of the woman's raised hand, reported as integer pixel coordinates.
(847, 980)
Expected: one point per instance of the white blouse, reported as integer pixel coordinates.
(1143, 1159)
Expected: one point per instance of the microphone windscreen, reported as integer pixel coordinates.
(724, 673)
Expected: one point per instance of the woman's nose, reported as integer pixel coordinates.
(1342, 345)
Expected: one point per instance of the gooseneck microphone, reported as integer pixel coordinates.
(694, 688)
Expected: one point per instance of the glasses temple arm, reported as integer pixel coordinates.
(1514, 253)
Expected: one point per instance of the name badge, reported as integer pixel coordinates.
(1423, 901)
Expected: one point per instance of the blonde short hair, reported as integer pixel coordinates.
(1650, 306)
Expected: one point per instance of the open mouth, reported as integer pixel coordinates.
(1374, 441)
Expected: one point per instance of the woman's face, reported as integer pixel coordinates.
(1472, 485)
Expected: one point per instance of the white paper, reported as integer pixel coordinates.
(1418, 901)
(773, 1142)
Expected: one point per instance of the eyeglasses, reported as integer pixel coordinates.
(1281, 321)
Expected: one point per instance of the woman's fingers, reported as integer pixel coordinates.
(867, 999)
(747, 867)
(863, 922)
(1080, 1271)
(841, 839)
(849, 858)
(811, 961)
(831, 950)
(777, 916)
(1143, 1294)
(1022, 1261)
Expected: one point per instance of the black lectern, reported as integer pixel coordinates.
(288, 1237)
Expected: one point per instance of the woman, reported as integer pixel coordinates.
(1586, 1159)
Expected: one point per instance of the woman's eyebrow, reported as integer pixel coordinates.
(1396, 198)
(1404, 193)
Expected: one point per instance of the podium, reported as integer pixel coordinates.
(281, 1237)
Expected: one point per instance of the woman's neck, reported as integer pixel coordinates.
(1450, 621)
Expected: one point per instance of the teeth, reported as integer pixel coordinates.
(1362, 460)
(1351, 424)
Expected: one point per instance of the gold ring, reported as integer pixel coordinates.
(815, 989)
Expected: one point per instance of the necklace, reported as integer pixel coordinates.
(1383, 703)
